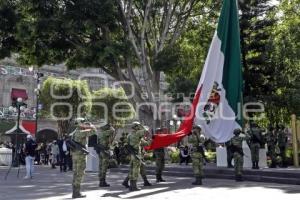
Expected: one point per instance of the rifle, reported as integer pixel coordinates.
(100, 148)
(200, 148)
(76, 146)
(133, 152)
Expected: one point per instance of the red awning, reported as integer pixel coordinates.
(16, 93)
(29, 126)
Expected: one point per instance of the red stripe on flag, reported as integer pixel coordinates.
(163, 140)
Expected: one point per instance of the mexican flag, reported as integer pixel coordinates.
(217, 100)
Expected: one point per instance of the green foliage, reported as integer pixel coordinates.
(118, 109)
(174, 156)
(186, 58)
(76, 94)
(8, 20)
(74, 32)
(211, 156)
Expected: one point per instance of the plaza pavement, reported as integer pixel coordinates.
(50, 184)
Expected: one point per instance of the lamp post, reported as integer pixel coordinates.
(37, 75)
(19, 106)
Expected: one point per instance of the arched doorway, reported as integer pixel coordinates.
(46, 135)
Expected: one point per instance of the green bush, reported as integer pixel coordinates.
(211, 156)
(174, 157)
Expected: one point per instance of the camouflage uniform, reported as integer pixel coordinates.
(255, 143)
(196, 139)
(238, 155)
(160, 163)
(271, 140)
(229, 155)
(79, 161)
(136, 140)
(105, 138)
(282, 142)
(159, 155)
(142, 172)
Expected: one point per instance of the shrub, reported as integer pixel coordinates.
(174, 157)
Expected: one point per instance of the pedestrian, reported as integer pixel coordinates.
(184, 155)
(197, 139)
(63, 151)
(135, 140)
(159, 155)
(54, 153)
(29, 150)
(236, 146)
(124, 155)
(256, 140)
(105, 139)
(80, 135)
(117, 152)
(282, 143)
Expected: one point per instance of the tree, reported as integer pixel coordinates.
(116, 36)
(64, 100)
(112, 105)
(188, 55)
(287, 57)
(8, 21)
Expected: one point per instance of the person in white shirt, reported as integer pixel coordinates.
(54, 154)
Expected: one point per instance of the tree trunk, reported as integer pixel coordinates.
(63, 127)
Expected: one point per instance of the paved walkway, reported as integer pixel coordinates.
(49, 184)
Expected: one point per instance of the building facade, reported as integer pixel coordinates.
(17, 81)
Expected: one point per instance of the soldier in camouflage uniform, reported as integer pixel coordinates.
(159, 155)
(142, 168)
(282, 142)
(271, 140)
(196, 139)
(105, 139)
(136, 139)
(255, 143)
(229, 155)
(80, 135)
(236, 145)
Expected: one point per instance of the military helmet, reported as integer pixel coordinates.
(147, 128)
(237, 131)
(158, 130)
(136, 125)
(196, 126)
(79, 120)
(106, 126)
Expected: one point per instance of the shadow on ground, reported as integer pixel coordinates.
(50, 182)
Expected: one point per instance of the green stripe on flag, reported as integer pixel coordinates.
(228, 32)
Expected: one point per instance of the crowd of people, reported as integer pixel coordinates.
(54, 154)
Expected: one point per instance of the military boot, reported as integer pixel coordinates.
(256, 165)
(146, 182)
(133, 186)
(125, 182)
(159, 178)
(103, 183)
(76, 193)
(198, 181)
(253, 165)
